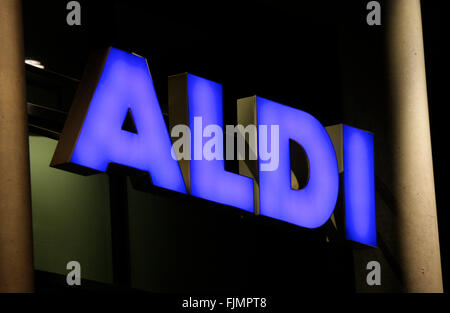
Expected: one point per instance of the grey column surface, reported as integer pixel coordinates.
(414, 183)
(16, 249)
(384, 91)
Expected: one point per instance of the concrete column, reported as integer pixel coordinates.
(16, 247)
(413, 182)
(384, 91)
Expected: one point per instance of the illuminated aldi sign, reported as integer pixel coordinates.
(117, 87)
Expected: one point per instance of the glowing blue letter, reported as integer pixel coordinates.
(125, 84)
(359, 180)
(313, 205)
(209, 180)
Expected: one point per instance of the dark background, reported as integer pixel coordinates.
(287, 51)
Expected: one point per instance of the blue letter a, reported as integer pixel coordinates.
(93, 136)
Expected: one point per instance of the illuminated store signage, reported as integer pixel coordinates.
(118, 85)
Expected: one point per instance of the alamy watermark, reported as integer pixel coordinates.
(374, 276)
(374, 16)
(207, 143)
(74, 15)
(73, 278)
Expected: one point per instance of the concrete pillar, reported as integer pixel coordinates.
(410, 153)
(16, 248)
(384, 91)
